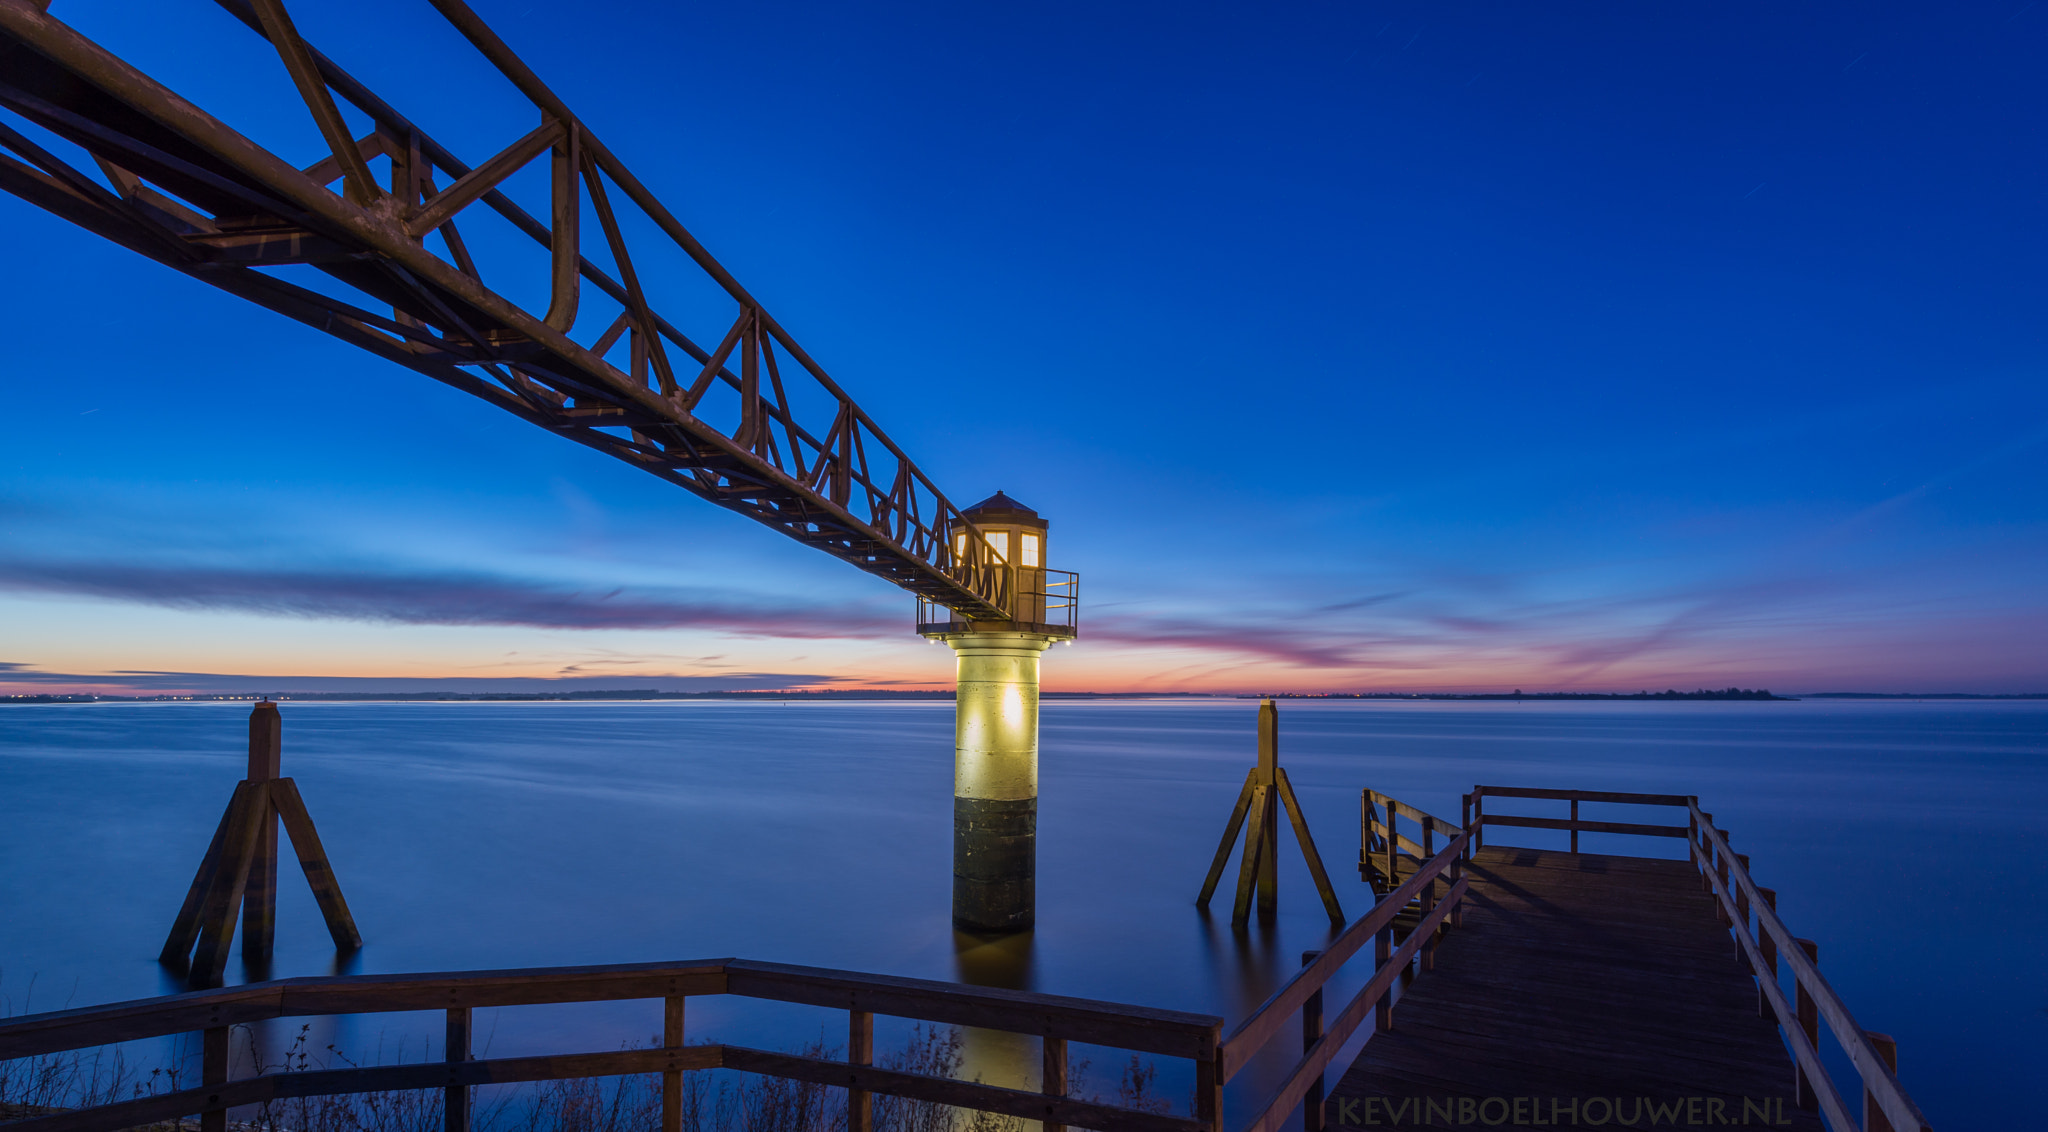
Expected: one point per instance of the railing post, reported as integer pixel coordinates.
(1575, 825)
(672, 1080)
(213, 1070)
(1768, 944)
(1478, 823)
(1428, 854)
(455, 1097)
(1382, 951)
(860, 1050)
(1311, 1033)
(1364, 829)
(1209, 1088)
(1053, 1076)
(1393, 862)
(1741, 895)
(1721, 870)
(1809, 1021)
(1706, 847)
(1457, 917)
(1874, 1119)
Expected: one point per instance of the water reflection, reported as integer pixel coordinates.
(997, 1057)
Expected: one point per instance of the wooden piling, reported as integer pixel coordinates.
(237, 878)
(259, 899)
(1269, 781)
(1265, 791)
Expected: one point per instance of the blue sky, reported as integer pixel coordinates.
(1346, 346)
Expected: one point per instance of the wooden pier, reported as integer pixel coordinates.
(1506, 987)
(1579, 986)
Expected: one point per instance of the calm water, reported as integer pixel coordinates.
(1907, 838)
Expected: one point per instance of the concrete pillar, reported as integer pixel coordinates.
(995, 780)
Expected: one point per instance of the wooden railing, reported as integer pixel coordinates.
(1303, 993)
(1750, 912)
(1381, 845)
(1057, 1020)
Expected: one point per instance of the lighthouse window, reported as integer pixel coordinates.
(1028, 552)
(1001, 541)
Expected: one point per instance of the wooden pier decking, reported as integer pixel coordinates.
(1576, 976)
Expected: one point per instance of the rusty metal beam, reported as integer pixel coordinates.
(196, 195)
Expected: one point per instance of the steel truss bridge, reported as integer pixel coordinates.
(741, 416)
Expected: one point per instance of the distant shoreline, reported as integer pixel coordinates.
(646, 694)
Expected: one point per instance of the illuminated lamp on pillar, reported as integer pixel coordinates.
(995, 748)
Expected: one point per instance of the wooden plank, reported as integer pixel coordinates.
(1577, 975)
(1308, 848)
(1869, 1063)
(1248, 868)
(959, 1094)
(456, 1049)
(1625, 799)
(168, 1107)
(1268, 825)
(672, 1080)
(1309, 1071)
(1052, 1074)
(1588, 826)
(1229, 842)
(1141, 1029)
(185, 929)
(224, 896)
(291, 809)
(366, 993)
(1252, 1034)
(259, 896)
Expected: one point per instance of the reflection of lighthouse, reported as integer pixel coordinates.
(995, 765)
(996, 1057)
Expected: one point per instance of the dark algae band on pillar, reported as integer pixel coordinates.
(995, 853)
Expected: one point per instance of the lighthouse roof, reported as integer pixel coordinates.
(1000, 508)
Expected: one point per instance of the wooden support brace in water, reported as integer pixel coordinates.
(1266, 789)
(341, 926)
(1248, 866)
(238, 875)
(1308, 849)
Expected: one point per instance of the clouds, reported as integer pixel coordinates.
(28, 679)
(431, 597)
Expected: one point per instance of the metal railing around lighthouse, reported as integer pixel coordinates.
(1048, 602)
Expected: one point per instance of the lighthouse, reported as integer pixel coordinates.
(995, 729)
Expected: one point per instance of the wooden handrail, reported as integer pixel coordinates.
(1057, 1018)
(1622, 798)
(1737, 897)
(1716, 860)
(1318, 1057)
(1252, 1034)
(1586, 826)
(1144, 1029)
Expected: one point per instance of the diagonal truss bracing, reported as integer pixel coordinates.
(179, 186)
